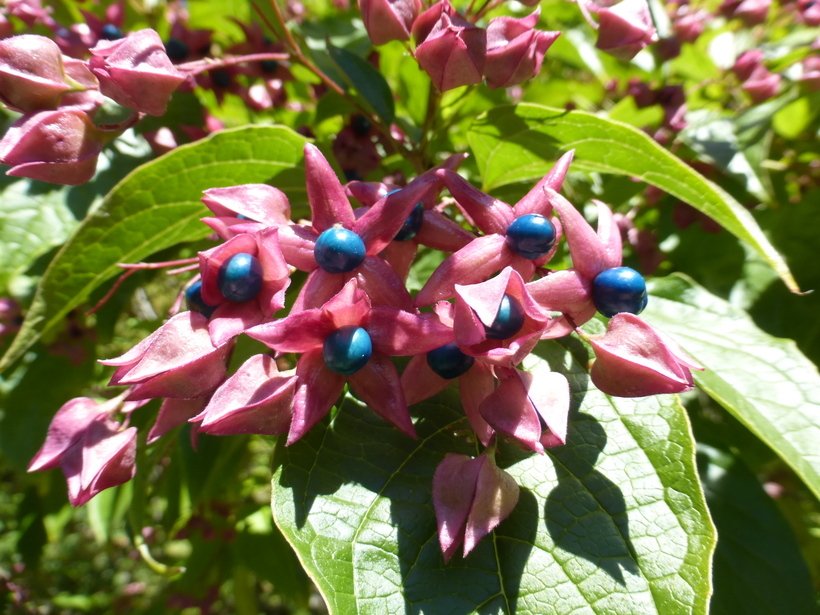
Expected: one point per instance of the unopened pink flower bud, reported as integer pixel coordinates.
(625, 29)
(136, 72)
(634, 360)
(762, 85)
(32, 74)
(809, 12)
(454, 53)
(690, 25)
(59, 146)
(471, 497)
(514, 50)
(389, 20)
(424, 23)
(746, 63)
(753, 12)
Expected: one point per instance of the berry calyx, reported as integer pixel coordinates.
(347, 350)
(339, 250)
(508, 321)
(193, 297)
(110, 32)
(412, 225)
(176, 50)
(532, 236)
(240, 277)
(448, 361)
(620, 289)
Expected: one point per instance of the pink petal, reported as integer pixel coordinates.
(173, 413)
(257, 202)
(509, 410)
(276, 275)
(454, 488)
(67, 428)
(299, 332)
(489, 214)
(317, 389)
(230, 319)
(473, 263)
(475, 385)
(496, 495)
(318, 289)
(256, 399)
(377, 384)
(297, 243)
(419, 382)
(382, 284)
(398, 333)
(328, 202)
(441, 233)
(401, 255)
(380, 224)
(549, 393)
(536, 201)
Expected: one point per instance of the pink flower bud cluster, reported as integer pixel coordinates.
(758, 82)
(57, 139)
(452, 50)
(366, 298)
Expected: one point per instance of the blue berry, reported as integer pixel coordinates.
(177, 50)
(448, 361)
(110, 32)
(619, 289)
(193, 297)
(532, 236)
(338, 250)
(361, 125)
(347, 350)
(240, 277)
(508, 321)
(412, 225)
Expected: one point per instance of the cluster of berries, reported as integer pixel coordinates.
(492, 300)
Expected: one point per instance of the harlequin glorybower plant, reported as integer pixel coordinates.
(444, 326)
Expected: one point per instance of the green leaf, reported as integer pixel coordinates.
(614, 521)
(156, 207)
(33, 219)
(367, 80)
(758, 565)
(764, 381)
(515, 143)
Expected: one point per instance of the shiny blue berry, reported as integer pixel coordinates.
(110, 32)
(240, 277)
(532, 236)
(338, 250)
(448, 361)
(412, 225)
(619, 289)
(221, 79)
(193, 297)
(347, 350)
(508, 321)
(269, 66)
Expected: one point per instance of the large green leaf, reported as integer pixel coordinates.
(517, 143)
(368, 81)
(764, 381)
(613, 522)
(758, 566)
(155, 207)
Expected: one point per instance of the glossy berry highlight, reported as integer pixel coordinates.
(347, 350)
(240, 277)
(448, 361)
(412, 225)
(193, 297)
(339, 250)
(531, 236)
(620, 289)
(508, 321)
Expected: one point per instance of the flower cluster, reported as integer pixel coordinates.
(452, 50)
(482, 311)
(62, 131)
